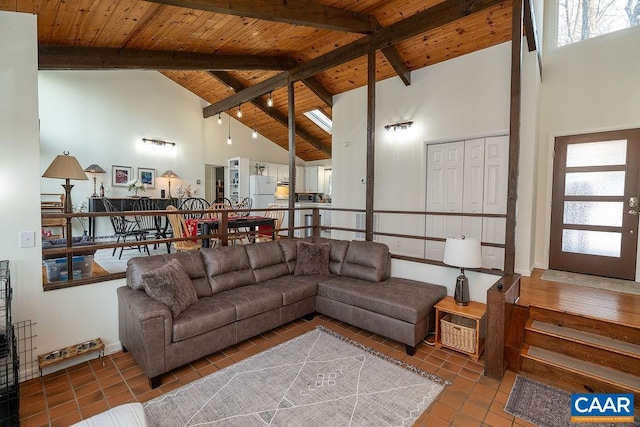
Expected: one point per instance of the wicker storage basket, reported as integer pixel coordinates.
(458, 332)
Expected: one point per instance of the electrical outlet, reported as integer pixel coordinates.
(27, 239)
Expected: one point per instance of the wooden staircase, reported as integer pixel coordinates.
(581, 354)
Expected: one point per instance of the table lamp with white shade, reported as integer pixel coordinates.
(462, 253)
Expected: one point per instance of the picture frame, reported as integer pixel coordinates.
(147, 176)
(121, 175)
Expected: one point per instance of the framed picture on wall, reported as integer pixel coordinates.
(121, 175)
(147, 176)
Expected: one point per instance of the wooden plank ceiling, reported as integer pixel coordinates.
(259, 46)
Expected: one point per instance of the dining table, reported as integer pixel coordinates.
(254, 224)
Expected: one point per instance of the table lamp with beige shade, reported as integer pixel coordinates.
(462, 253)
(169, 174)
(66, 167)
(94, 169)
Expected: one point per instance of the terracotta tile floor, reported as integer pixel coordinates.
(67, 396)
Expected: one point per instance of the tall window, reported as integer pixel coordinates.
(582, 19)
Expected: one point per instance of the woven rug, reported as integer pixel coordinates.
(316, 379)
(546, 406)
(618, 285)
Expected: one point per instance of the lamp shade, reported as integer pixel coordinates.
(463, 253)
(169, 174)
(65, 166)
(95, 169)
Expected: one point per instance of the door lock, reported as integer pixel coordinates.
(633, 202)
(632, 212)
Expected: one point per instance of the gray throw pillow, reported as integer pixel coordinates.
(170, 284)
(313, 258)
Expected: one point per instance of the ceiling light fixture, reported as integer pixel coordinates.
(239, 112)
(219, 119)
(254, 134)
(158, 142)
(270, 101)
(229, 142)
(399, 126)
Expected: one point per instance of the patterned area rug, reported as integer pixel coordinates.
(546, 406)
(618, 285)
(318, 379)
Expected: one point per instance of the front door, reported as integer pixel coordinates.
(594, 222)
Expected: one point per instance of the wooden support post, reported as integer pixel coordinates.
(292, 156)
(514, 137)
(501, 299)
(371, 142)
(316, 222)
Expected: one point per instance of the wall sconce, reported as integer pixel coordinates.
(399, 126)
(158, 142)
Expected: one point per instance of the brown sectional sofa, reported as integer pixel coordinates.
(245, 290)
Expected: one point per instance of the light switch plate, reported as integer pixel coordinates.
(27, 239)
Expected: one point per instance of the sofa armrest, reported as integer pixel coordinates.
(145, 327)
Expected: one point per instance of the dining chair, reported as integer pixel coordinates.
(233, 235)
(179, 227)
(154, 224)
(275, 212)
(124, 227)
(244, 204)
(193, 204)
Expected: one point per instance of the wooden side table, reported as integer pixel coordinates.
(467, 321)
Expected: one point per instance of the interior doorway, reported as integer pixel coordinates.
(214, 183)
(594, 211)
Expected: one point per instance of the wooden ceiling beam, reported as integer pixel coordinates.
(316, 87)
(296, 12)
(89, 58)
(237, 86)
(429, 19)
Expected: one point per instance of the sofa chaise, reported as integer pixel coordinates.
(177, 308)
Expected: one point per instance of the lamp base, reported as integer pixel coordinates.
(461, 295)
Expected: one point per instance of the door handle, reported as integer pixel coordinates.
(632, 212)
(633, 202)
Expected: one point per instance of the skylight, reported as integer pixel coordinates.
(321, 119)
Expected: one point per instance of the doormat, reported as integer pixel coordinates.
(318, 378)
(546, 406)
(617, 285)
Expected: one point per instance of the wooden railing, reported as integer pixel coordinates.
(223, 234)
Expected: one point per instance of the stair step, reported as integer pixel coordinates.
(589, 369)
(622, 332)
(595, 340)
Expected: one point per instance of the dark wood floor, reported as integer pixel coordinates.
(69, 395)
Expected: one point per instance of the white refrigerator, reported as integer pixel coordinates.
(262, 190)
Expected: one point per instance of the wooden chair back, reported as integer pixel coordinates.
(179, 227)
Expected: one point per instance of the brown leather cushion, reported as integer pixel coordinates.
(293, 288)
(251, 300)
(267, 260)
(402, 299)
(207, 314)
(313, 258)
(227, 267)
(170, 284)
(366, 260)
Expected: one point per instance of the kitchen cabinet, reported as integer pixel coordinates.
(237, 180)
(314, 179)
(300, 180)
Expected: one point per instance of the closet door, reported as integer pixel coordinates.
(496, 169)
(473, 195)
(444, 177)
